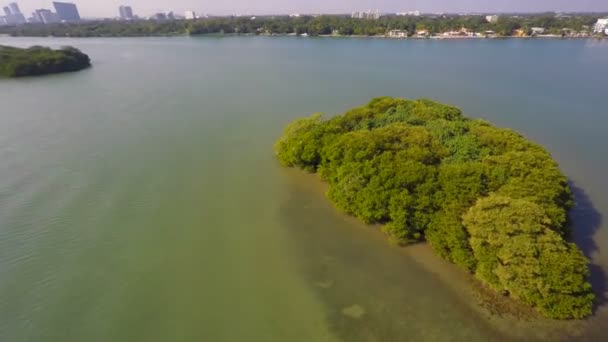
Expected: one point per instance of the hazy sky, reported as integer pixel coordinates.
(94, 8)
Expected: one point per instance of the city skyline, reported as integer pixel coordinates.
(96, 8)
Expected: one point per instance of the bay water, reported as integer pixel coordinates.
(140, 199)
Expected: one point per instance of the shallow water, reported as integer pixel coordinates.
(140, 200)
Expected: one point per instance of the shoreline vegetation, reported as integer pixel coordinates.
(38, 60)
(504, 314)
(484, 198)
(546, 25)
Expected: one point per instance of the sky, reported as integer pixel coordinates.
(109, 8)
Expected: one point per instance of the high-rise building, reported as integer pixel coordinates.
(159, 16)
(374, 15)
(14, 8)
(34, 19)
(18, 18)
(13, 15)
(67, 11)
(189, 15)
(126, 12)
(46, 16)
(36, 15)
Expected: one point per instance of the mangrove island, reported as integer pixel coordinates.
(38, 60)
(484, 198)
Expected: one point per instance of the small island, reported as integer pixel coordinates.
(38, 60)
(484, 198)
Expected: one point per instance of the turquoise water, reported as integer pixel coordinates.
(140, 200)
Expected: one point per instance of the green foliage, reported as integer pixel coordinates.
(37, 60)
(484, 198)
(301, 142)
(519, 253)
(311, 25)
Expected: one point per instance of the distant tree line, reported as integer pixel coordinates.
(483, 197)
(38, 60)
(311, 25)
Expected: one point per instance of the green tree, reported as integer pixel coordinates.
(38, 60)
(419, 167)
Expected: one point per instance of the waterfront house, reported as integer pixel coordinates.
(519, 33)
(537, 30)
(423, 33)
(466, 32)
(463, 32)
(568, 32)
(584, 34)
(397, 34)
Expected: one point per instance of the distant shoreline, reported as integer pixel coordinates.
(458, 37)
(370, 25)
(540, 37)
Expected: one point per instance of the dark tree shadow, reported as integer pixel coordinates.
(586, 221)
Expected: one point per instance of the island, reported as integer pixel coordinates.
(38, 60)
(484, 198)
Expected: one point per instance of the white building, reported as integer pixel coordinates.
(190, 15)
(601, 26)
(492, 18)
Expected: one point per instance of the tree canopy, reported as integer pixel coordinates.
(38, 60)
(485, 198)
